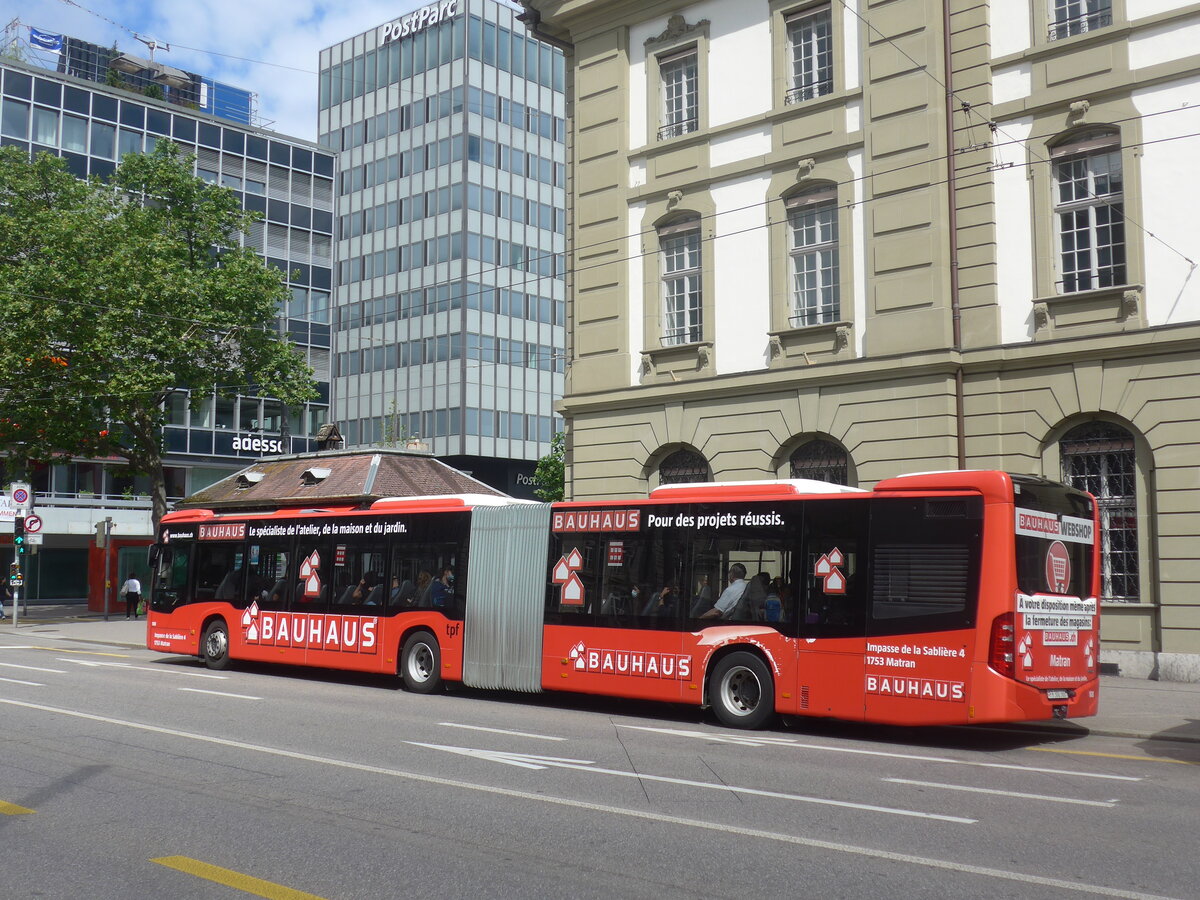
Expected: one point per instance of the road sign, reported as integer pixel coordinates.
(15, 582)
(34, 540)
(33, 524)
(21, 495)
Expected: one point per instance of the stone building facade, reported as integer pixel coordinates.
(856, 239)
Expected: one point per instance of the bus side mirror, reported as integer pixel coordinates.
(152, 555)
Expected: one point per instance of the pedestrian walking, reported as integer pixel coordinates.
(132, 589)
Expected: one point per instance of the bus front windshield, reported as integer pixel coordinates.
(170, 577)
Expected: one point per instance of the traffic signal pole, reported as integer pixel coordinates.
(18, 560)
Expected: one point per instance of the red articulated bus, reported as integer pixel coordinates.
(941, 598)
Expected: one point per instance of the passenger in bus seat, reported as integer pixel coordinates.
(424, 583)
(362, 590)
(662, 604)
(750, 606)
(402, 593)
(773, 602)
(727, 604)
(441, 592)
(375, 597)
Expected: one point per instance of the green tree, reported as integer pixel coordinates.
(113, 296)
(549, 478)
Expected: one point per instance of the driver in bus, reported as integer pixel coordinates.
(728, 602)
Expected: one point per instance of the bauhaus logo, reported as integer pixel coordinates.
(916, 688)
(347, 634)
(637, 663)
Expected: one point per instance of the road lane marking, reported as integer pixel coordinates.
(219, 694)
(531, 761)
(680, 732)
(644, 815)
(33, 668)
(237, 880)
(540, 737)
(1155, 759)
(1108, 804)
(95, 663)
(82, 652)
(11, 809)
(19, 681)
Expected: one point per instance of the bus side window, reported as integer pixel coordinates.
(219, 569)
(269, 576)
(313, 574)
(832, 583)
(576, 593)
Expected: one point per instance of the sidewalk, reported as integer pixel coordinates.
(1129, 707)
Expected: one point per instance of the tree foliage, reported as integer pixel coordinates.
(549, 478)
(112, 296)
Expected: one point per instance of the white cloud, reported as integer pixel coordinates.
(270, 47)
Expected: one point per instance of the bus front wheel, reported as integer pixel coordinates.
(215, 646)
(421, 663)
(741, 691)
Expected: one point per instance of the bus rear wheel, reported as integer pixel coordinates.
(214, 648)
(421, 663)
(741, 691)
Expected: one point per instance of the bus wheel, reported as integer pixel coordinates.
(421, 663)
(215, 646)
(741, 691)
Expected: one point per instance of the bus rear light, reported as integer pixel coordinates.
(1001, 653)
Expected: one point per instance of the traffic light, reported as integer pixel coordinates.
(19, 535)
(14, 570)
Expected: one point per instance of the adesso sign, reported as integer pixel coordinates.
(418, 21)
(258, 445)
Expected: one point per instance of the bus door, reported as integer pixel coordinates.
(830, 578)
(923, 602)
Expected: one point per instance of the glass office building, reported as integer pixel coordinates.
(289, 181)
(449, 127)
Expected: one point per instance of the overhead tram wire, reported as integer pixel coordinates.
(646, 253)
(646, 232)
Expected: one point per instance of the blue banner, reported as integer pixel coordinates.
(45, 41)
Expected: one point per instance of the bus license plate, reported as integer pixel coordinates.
(1057, 695)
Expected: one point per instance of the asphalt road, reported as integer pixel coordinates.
(130, 774)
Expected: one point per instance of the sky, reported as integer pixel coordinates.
(270, 47)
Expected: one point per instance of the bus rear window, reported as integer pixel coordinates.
(1055, 535)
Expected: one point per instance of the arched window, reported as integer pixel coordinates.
(1099, 457)
(820, 461)
(683, 466)
(1089, 206)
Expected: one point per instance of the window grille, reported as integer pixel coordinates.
(1072, 17)
(820, 461)
(1099, 458)
(683, 467)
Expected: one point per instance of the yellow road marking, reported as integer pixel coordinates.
(11, 809)
(84, 652)
(247, 883)
(1178, 762)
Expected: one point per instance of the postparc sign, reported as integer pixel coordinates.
(418, 20)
